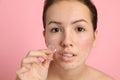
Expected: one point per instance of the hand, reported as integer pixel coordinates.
(35, 65)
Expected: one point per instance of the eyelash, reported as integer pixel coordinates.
(80, 29)
(54, 30)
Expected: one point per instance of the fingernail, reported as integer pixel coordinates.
(41, 60)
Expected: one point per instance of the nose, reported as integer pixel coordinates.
(67, 40)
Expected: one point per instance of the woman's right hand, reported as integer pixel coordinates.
(35, 65)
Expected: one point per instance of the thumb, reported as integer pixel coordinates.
(47, 62)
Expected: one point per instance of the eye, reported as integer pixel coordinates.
(54, 30)
(80, 29)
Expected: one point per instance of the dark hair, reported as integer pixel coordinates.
(88, 3)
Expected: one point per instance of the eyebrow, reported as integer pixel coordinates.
(80, 20)
(56, 22)
(59, 23)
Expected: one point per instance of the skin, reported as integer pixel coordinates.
(68, 30)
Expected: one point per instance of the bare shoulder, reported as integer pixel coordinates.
(104, 76)
(99, 75)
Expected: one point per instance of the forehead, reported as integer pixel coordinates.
(68, 11)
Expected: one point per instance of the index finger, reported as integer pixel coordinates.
(40, 53)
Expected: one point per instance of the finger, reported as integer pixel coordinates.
(20, 73)
(27, 66)
(21, 70)
(40, 53)
(45, 54)
(29, 60)
(37, 70)
(35, 67)
(47, 62)
(41, 60)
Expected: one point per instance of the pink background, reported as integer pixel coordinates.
(21, 31)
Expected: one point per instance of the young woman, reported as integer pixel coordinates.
(70, 33)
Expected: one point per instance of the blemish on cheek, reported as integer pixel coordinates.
(52, 47)
(52, 44)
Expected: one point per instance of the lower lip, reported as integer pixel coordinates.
(67, 59)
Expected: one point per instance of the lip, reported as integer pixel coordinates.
(67, 58)
(68, 52)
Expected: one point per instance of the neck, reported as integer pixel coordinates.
(59, 73)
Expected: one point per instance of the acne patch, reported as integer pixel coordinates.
(52, 48)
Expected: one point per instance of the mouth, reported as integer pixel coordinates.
(68, 56)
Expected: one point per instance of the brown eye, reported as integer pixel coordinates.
(54, 30)
(80, 29)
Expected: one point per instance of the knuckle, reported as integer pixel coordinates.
(31, 52)
(35, 53)
(18, 71)
(23, 60)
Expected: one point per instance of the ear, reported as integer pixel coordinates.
(44, 33)
(95, 37)
(44, 36)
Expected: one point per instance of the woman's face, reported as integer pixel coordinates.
(69, 29)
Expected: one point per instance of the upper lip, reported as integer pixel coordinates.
(68, 52)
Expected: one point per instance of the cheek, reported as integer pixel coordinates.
(85, 43)
(52, 41)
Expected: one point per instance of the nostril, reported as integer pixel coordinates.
(66, 42)
(71, 45)
(67, 45)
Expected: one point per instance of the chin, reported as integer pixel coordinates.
(68, 65)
